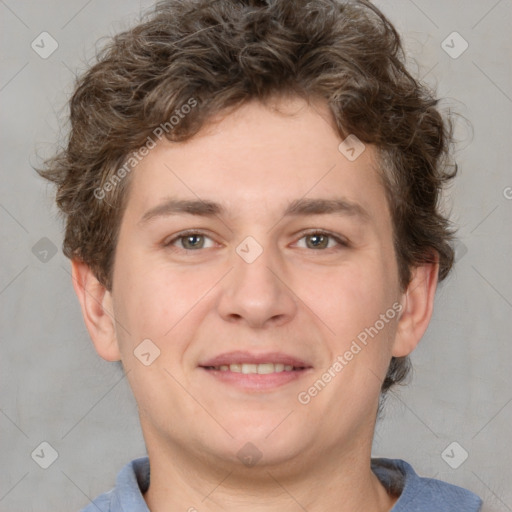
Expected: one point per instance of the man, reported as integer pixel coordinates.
(251, 193)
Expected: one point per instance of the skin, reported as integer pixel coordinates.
(294, 298)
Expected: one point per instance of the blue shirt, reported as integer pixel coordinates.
(417, 494)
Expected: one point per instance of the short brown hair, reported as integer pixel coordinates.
(222, 53)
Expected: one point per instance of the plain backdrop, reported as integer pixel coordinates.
(56, 390)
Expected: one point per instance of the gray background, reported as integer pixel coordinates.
(55, 388)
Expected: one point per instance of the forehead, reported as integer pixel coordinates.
(258, 159)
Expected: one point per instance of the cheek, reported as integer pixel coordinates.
(159, 303)
(350, 298)
(356, 304)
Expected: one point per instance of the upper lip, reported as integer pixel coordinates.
(250, 358)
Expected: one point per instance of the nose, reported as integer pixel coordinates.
(257, 293)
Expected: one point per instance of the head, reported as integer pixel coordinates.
(245, 104)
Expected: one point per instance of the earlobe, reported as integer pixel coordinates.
(96, 303)
(418, 304)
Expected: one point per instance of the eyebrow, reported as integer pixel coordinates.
(205, 208)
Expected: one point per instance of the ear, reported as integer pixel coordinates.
(418, 304)
(97, 310)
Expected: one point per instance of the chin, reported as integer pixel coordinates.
(262, 444)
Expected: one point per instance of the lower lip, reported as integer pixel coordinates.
(256, 381)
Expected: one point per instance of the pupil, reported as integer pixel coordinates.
(319, 239)
(192, 240)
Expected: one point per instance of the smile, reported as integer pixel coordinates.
(261, 369)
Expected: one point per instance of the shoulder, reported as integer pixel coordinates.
(422, 494)
(127, 495)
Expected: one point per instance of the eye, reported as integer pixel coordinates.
(195, 240)
(322, 240)
(189, 241)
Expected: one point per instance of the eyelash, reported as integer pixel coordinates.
(184, 234)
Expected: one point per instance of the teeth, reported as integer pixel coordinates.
(266, 368)
(250, 368)
(262, 369)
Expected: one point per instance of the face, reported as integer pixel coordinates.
(258, 260)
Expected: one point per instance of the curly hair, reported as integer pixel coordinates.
(222, 53)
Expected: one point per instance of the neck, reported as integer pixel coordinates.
(340, 481)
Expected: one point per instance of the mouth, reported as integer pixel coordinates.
(260, 369)
(255, 372)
